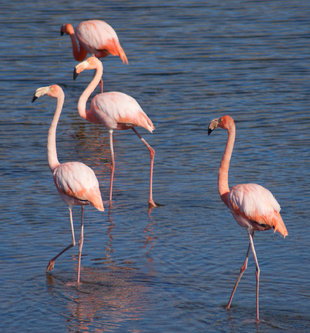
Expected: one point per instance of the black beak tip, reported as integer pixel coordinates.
(34, 98)
(209, 131)
(75, 74)
(61, 33)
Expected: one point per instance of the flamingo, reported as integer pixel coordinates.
(253, 206)
(95, 37)
(115, 111)
(76, 183)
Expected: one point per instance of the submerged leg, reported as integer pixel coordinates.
(51, 263)
(81, 244)
(242, 269)
(112, 164)
(257, 276)
(152, 155)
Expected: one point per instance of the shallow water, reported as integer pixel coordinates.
(172, 270)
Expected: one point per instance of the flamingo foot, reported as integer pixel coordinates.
(152, 204)
(50, 265)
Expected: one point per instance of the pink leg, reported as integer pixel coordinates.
(51, 263)
(81, 244)
(112, 164)
(257, 277)
(242, 269)
(152, 154)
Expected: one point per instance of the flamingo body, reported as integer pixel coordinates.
(95, 37)
(77, 184)
(253, 206)
(116, 110)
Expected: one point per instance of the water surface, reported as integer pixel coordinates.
(172, 271)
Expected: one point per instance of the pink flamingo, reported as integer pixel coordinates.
(95, 37)
(115, 111)
(75, 181)
(253, 206)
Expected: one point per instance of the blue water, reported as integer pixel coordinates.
(172, 270)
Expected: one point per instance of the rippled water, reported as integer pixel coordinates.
(172, 271)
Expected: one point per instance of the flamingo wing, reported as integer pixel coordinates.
(118, 110)
(256, 205)
(77, 181)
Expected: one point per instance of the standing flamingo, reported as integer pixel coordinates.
(95, 37)
(75, 181)
(253, 206)
(114, 110)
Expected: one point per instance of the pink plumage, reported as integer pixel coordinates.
(95, 37)
(254, 207)
(116, 110)
(77, 184)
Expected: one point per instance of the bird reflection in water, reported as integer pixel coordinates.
(104, 300)
(109, 294)
(150, 239)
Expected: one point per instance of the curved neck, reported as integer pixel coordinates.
(78, 54)
(223, 186)
(51, 138)
(86, 93)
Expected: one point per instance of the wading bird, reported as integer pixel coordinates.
(75, 181)
(115, 111)
(95, 37)
(252, 206)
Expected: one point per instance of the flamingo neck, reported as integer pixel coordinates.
(51, 138)
(78, 54)
(223, 186)
(86, 114)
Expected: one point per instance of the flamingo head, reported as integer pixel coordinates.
(224, 122)
(66, 29)
(88, 64)
(52, 91)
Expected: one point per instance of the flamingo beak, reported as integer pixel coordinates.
(213, 125)
(62, 30)
(75, 74)
(34, 98)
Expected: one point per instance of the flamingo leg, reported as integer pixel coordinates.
(242, 270)
(257, 276)
(152, 155)
(51, 263)
(101, 86)
(81, 244)
(112, 164)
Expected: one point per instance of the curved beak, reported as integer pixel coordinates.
(213, 125)
(34, 98)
